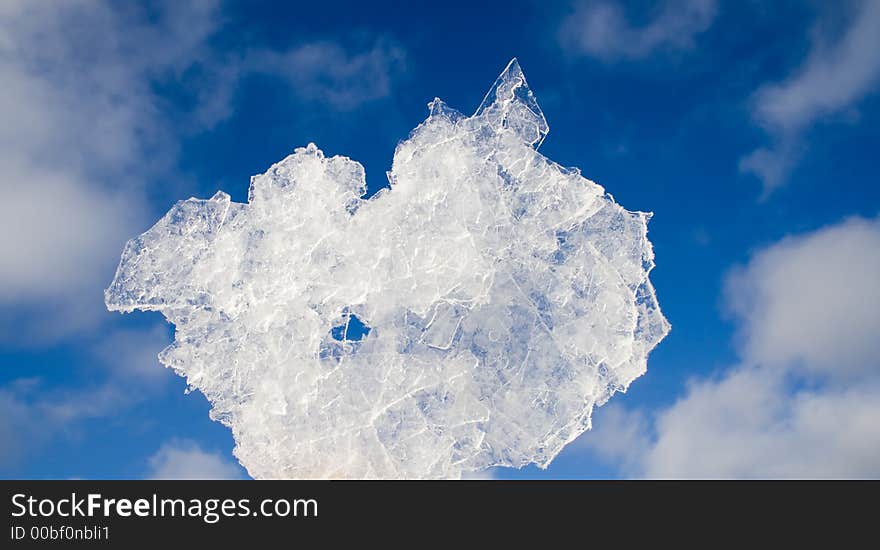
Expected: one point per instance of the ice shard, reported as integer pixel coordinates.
(470, 316)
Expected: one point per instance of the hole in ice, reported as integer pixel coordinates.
(351, 329)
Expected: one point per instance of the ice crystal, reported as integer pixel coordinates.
(470, 316)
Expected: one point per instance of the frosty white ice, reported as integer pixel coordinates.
(503, 297)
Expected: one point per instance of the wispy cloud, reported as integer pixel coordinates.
(34, 411)
(833, 78)
(132, 354)
(33, 414)
(185, 459)
(602, 29)
(803, 401)
(326, 72)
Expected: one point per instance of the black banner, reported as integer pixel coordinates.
(128, 514)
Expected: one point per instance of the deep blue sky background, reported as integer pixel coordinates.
(662, 131)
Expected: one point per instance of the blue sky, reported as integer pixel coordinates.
(749, 129)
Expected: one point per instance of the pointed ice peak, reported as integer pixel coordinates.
(511, 104)
(438, 107)
(511, 77)
(220, 196)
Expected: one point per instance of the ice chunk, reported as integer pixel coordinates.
(510, 104)
(471, 316)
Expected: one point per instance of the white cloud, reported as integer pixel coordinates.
(184, 459)
(55, 231)
(80, 117)
(813, 302)
(750, 423)
(619, 437)
(85, 133)
(602, 29)
(830, 80)
(805, 401)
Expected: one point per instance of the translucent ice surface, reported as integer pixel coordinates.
(470, 316)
